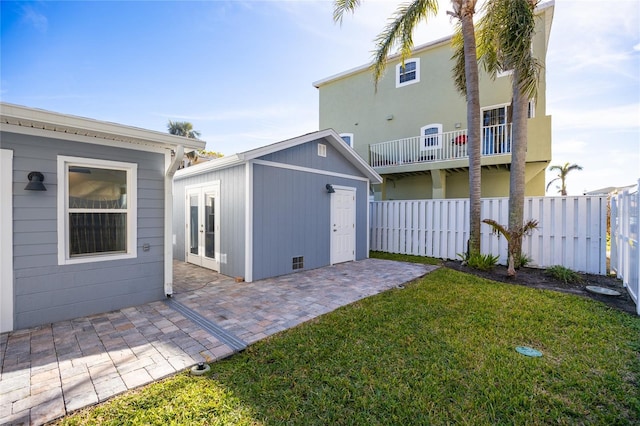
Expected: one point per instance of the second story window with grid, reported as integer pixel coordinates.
(409, 73)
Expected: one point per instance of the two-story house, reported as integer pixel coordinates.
(412, 130)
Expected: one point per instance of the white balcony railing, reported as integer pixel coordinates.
(495, 140)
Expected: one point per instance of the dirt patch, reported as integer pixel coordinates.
(538, 278)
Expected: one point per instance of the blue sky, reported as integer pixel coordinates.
(242, 71)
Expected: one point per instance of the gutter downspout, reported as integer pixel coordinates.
(171, 165)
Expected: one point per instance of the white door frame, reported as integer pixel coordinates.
(341, 191)
(202, 192)
(6, 240)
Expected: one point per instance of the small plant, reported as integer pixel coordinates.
(522, 260)
(514, 254)
(483, 262)
(563, 274)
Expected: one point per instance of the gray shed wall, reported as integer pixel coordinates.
(45, 291)
(306, 155)
(292, 218)
(232, 206)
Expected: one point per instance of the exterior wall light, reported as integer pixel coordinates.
(330, 189)
(35, 182)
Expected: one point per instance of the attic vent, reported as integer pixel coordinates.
(298, 262)
(322, 150)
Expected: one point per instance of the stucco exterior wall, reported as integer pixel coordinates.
(349, 103)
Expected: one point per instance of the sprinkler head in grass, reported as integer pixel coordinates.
(527, 351)
(200, 369)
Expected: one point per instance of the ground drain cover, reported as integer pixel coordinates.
(602, 290)
(524, 350)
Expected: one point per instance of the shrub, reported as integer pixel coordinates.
(522, 260)
(483, 262)
(563, 274)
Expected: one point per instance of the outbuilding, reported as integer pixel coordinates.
(85, 215)
(295, 205)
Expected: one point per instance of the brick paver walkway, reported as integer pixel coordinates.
(52, 370)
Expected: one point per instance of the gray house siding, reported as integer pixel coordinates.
(306, 155)
(46, 291)
(292, 218)
(232, 206)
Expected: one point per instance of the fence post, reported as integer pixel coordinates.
(613, 235)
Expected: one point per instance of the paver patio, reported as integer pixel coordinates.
(54, 369)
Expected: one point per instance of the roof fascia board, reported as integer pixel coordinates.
(67, 124)
(44, 133)
(279, 146)
(328, 135)
(351, 154)
(209, 166)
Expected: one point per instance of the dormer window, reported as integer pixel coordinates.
(408, 73)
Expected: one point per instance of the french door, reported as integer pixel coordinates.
(203, 225)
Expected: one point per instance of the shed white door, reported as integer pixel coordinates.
(6, 240)
(343, 225)
(203, 225)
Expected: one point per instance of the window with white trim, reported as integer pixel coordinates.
(408, 73)
(431, 136)
(347, 138)
(97, 217)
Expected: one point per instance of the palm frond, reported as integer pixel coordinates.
(340, 7)
(550, 182)
(400, 32)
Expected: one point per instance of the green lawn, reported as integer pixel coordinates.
(440, 351)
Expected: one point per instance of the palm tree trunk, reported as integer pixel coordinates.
(473, 122)
(518, 163)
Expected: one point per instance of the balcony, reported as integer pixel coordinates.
(438, 147)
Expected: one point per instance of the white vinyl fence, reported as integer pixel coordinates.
(625, 254)
(571, 232)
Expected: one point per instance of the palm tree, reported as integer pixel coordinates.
(506, 33)
(184, 128)
(563, 171)
(400, 31)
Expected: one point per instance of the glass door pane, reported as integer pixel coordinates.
(209, 232)
(193, 224)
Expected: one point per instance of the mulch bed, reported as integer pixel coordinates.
(538, 278)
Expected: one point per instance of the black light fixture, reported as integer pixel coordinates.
(330, 189)
(35, 182)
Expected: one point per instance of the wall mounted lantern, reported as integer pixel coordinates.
(330, 189)
(35, 182)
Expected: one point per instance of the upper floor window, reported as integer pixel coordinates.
(347, 138)
(502, 114)
(409, 73)
(431, 136)
(97, 217)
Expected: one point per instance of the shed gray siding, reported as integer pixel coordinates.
(306, 155)
(232, 224)
(292, 218)
(47, 292)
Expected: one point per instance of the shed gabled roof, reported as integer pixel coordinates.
(329, 135)
(22, 119)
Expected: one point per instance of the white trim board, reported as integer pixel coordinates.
(308, 170)
(248, 224)
(6, 240)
